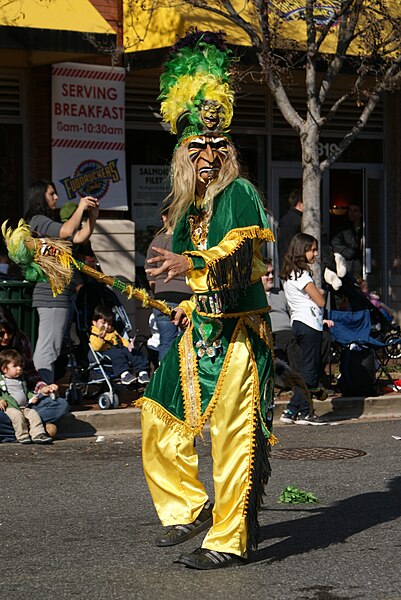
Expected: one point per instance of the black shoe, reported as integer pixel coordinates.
(42, 438)
(288, 417)
(143, 377)
(128, 378)
(181, 533)
(310, 419)
(204, 559)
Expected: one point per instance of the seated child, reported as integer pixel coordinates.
(374, 298)
(105, 339)
(17, 401)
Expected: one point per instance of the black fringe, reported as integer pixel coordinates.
(232, 275)
(260, 476)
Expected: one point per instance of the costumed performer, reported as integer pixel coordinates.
(220, 369)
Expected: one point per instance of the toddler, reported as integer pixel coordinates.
(105, 339)
(374, 299)
(17, 401)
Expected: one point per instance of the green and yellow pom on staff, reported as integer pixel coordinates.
(51, 260)
(41, 259)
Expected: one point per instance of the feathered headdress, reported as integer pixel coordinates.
(195, 87)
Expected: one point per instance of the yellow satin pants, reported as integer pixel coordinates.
(171, 463)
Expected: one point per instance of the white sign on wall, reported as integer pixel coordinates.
(150, 186)
(88, 134)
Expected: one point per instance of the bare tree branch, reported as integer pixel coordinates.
(364, 116)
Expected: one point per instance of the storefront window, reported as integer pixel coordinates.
(252, 155)
(11, 173)
(288, 147)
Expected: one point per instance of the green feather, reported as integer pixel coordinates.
(24, 258)
(206, 58)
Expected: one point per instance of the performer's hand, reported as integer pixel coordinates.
(179, 318)
(171, 263)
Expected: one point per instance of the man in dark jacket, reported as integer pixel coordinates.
(289, 224)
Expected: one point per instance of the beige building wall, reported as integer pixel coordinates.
(113, 242)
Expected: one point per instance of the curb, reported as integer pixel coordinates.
(86, 423)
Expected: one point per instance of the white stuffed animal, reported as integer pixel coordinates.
(333, 277)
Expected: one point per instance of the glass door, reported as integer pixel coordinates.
(284, 181)
(375, 251)
(364, 187)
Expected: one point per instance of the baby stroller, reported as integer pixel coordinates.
(92, 372)
(364, 340)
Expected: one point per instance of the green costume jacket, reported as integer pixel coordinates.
(229, 300)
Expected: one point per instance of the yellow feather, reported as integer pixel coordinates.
(183, 93)
(13, 237)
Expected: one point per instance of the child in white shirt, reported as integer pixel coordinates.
(306, 304)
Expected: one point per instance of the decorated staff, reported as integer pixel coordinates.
(49, 259)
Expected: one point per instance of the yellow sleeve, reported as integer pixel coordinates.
(95, 341)
(231, 244)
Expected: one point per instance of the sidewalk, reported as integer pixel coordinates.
(127, 419)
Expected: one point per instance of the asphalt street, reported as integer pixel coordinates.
(76, 522)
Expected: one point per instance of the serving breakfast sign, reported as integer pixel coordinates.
(88, 134)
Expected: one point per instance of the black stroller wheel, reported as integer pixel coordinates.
(105, 401)
(393, 347)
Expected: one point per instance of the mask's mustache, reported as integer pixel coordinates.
(209, 170)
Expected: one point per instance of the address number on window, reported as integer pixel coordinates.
(325, 150)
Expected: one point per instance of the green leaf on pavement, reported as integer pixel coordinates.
(292, 495)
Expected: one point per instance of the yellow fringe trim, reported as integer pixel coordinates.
(189, 378)
(239, 235)
(191, 264)
(254, 417)
(273, 440)
(184, 428)
(161, 413)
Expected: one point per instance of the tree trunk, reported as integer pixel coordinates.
(311, 179)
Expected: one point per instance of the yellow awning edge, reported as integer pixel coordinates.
(67, 15)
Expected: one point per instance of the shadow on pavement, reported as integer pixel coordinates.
(355, 406)
(70, 426)
(330, 525)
